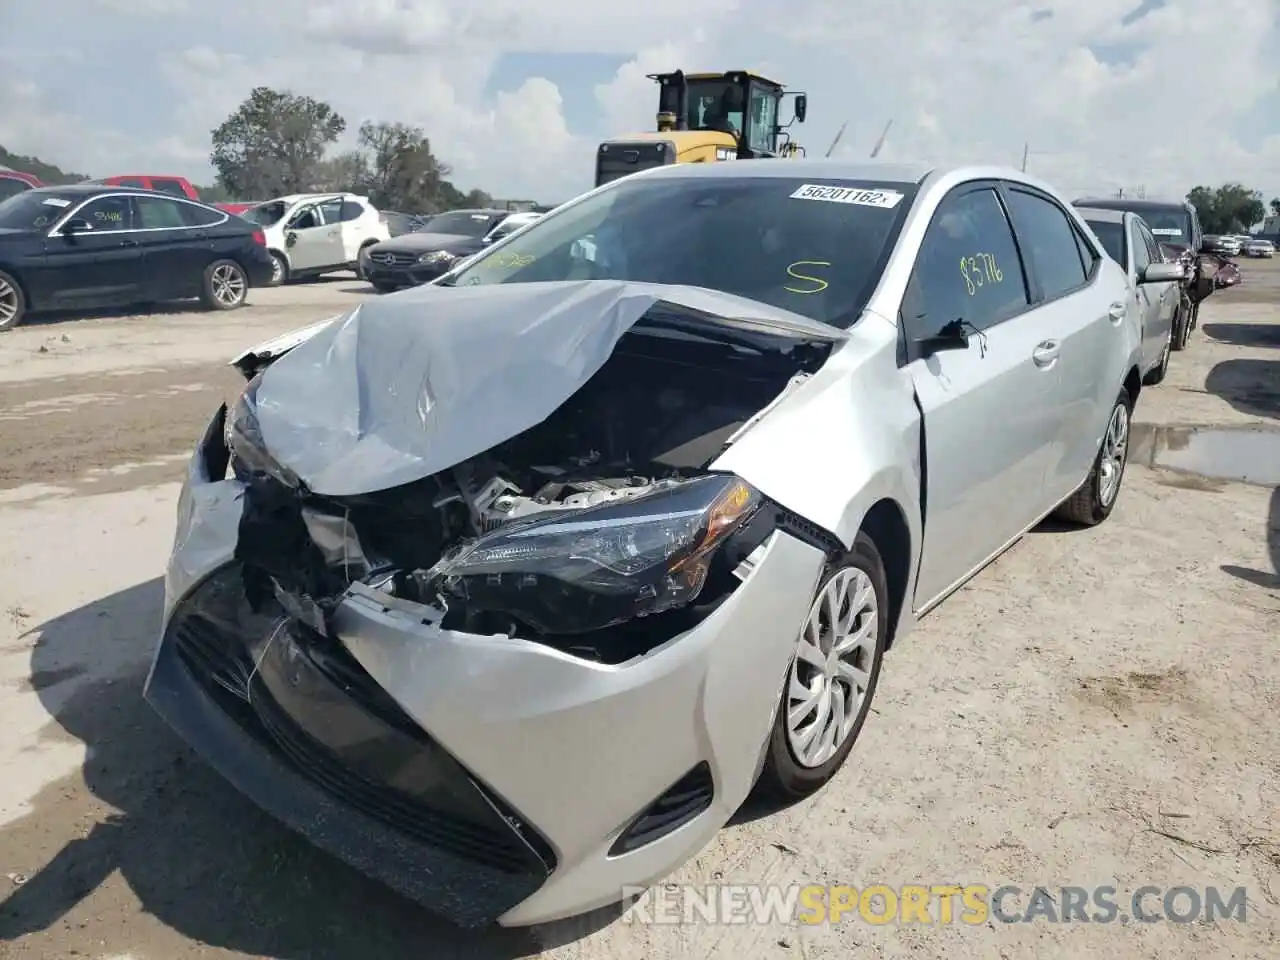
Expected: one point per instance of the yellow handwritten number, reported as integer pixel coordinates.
(979, 270)
(797, 275)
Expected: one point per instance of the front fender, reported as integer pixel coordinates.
(846, 439)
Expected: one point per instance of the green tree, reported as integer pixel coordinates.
(1230, 208)
(478, 198)
(274, 143)
(403, 173)
(1275, 206)
(44, 172)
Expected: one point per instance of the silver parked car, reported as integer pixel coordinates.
(1155, 285)
(509, 589)
(1257, 247)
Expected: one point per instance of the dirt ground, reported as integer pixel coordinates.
(1097, 707)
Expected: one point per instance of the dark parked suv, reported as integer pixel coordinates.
(1175, 223)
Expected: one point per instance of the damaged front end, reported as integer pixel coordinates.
(600, 531)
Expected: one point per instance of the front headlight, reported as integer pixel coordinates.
(249, 456)
(584, 570)
(437, 256)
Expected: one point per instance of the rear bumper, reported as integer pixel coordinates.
(259, 267)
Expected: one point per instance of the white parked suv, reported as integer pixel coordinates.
(313, 233)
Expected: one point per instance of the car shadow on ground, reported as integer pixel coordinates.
(1244, 334)
(198, 856)
(142, 311)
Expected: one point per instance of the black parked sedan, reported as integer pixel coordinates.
(420, 257)
(90, 245)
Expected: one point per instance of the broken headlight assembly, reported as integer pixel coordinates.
(583, 570)
(249, 456)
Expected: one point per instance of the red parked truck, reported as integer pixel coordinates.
(15, 181)
(167, 183)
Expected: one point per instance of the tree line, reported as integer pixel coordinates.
(278, 142)
(1230, 208)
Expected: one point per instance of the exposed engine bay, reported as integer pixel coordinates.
(599, 531)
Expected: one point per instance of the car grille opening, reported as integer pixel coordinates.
(394, 259)
(681, 802)
(396, 773)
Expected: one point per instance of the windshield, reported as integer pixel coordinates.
(816, 250)
(1112, 237)
(265, 214)
(1169, 226)
(462, 223)
(32, 210)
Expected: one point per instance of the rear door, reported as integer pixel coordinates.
(1164, 298)
(174, 253)
(98, 266)
(990, 411)
(1085, 317)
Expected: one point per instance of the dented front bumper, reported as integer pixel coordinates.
(489, 777)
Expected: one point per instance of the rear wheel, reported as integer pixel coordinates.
(225, 285)
(13, 304)
(832, 678)
(279, 270)
(1096, 498)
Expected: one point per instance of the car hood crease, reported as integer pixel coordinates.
(410, 385)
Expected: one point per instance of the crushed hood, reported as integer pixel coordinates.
(406, 386)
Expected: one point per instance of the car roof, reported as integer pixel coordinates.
(1102, 214)
(883, 171)
(86, 189)
(1137, 206)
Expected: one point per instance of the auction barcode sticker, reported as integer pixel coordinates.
(886, 199)
(1166, 232)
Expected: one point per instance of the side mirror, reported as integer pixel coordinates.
(290, 238)
(1162, 273)
(76, 225)
(802, 107)
(953, 336)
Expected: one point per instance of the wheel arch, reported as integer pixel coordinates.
(886, 525)
(1133, 383)
(18, 279)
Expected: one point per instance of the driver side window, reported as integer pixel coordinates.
(968, 268)
(1141, 252)
(304, 219)
(764, 115)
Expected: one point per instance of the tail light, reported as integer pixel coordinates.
(259, 238)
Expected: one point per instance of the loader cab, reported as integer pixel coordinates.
(738, 102)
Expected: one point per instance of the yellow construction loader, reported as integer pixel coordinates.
(705, 118)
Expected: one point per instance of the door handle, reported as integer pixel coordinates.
(1116, 312)
(1045, 353)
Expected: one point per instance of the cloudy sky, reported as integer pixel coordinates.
(1159, 94)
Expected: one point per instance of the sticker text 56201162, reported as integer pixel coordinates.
(886, 199)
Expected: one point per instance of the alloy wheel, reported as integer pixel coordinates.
(831, 672)
(8, 302)
(1115, 450)
(277, 270)
(228, 285)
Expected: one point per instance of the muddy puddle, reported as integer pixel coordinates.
(1243, 454)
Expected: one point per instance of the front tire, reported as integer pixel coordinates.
(832, 677)
(225, 285)
(13, 302)
(1096, 498)
(1161, 370)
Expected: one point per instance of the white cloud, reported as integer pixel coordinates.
(966, 82)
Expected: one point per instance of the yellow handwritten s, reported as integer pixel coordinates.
(796, 275)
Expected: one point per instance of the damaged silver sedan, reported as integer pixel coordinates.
(510, 589)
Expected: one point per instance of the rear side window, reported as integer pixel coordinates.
(351, 210)
(968, 268)
(10, 187)
(173, 187)
(1049, 242)
(194, 216)
(1112, 236)
(157, 213)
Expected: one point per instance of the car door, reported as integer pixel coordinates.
(990, 409)
(96, 261)
(357, 227)
(1147, 296)
(174, 254)
(1164, 298)
(313, 244)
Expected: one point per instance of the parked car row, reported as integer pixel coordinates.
(629, 525)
